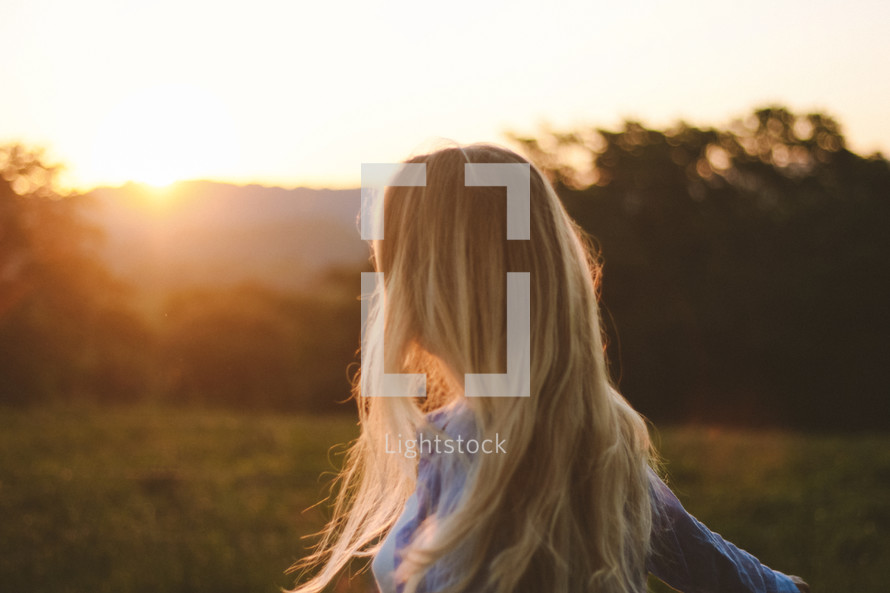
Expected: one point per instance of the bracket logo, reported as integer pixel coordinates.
(516, 382)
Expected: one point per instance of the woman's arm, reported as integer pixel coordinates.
(691, 558)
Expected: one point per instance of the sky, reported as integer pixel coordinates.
(301, 93)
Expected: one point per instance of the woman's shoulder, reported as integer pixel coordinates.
(443, 440)
(455, 419)
(445, 462)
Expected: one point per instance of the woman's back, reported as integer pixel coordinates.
(685, 554)
(568, 502)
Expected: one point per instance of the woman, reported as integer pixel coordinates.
(564, 497)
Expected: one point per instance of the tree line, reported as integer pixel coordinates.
(72, 331)
(744, 267)
(744, 281)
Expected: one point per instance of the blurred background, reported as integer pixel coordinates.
(180, 261)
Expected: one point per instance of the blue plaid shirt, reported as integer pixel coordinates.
(685, 554)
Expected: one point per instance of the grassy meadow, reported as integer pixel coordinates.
(139, 499)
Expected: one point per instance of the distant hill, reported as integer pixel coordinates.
(216, 234)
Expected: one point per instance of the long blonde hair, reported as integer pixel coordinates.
(567, 508)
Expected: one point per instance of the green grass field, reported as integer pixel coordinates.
(143, 499)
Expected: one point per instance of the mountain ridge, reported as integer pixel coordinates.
(214, 234)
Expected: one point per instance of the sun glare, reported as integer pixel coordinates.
(160, 195)
(164, 134)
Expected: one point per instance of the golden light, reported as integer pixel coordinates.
(164, 134)
(157, 197)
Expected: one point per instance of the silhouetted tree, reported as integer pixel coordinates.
(65, 330)
(744, 267)
(253, 347)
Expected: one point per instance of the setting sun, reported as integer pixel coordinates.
(163, 134)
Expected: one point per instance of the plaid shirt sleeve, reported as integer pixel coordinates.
(693, 559)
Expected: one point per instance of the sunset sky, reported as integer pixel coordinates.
(299, 93)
